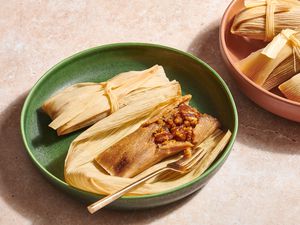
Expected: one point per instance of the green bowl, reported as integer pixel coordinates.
(48, 151)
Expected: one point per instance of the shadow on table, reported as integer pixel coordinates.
(46, 135)
(257, 127)
(27, 192)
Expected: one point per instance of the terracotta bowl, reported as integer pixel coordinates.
(235, 48)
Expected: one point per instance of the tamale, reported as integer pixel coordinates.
(179, 129)
(83, 104)
(275, 63)
(82, 170)
(263, 19)
(291, 88)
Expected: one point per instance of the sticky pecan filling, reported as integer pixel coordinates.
(178, 126)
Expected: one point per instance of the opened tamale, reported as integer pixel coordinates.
(276, 63)
(83, 104)
(176, 130)
(84, 164)
(263, 19)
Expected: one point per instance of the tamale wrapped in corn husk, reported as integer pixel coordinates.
(83, 168)
(276, 63)
(291, 88)
(83, 104)
(263, 19)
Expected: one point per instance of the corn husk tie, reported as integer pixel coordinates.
(270, 30)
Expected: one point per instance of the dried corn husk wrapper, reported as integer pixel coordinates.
(263, 19)
(82, 172)
(83, 104)
(291, 88)
(276, 63)
(282, 72)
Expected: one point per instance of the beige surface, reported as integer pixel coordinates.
(259, 184)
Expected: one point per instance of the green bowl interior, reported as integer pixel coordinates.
(48, 151)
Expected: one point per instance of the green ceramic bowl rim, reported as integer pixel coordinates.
(133, 44)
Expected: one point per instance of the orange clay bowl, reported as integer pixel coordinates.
(235, 48)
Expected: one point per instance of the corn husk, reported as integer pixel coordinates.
(275, 63)
(291, 88)
(280, 14)
(82, 172)
(282, 73)
(138, 151)
(121, 123)
(84, 104)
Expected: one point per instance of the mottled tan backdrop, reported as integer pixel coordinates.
(259, 183)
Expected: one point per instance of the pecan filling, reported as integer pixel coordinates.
(179, 126)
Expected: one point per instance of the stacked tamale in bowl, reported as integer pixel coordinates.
(260, 42)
